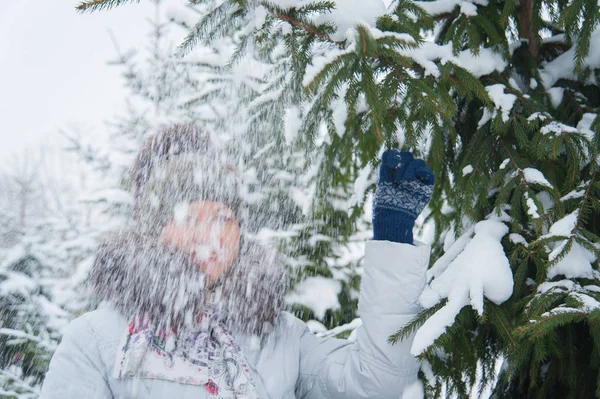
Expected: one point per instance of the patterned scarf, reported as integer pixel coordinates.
(206, 356)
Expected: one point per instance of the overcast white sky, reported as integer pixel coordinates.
(53, 68)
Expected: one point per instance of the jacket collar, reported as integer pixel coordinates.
(142, 277)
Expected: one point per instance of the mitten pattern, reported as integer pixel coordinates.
(409, 197)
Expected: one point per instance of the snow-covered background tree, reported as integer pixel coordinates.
(44, 241)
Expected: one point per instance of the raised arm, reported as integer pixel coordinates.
(395, 274)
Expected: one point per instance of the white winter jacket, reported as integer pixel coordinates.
(291, 363)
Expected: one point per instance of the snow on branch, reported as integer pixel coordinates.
(477, 269)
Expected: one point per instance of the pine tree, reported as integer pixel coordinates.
(160, 87)
(531, 162)
(502, 100)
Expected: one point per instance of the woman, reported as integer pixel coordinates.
(195, 307)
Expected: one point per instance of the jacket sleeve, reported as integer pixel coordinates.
(370, 367)
(76, 369)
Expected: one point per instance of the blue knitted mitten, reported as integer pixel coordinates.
(404, 189)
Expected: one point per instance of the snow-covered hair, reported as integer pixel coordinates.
(180, 165)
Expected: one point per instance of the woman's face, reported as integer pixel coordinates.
(209, 231)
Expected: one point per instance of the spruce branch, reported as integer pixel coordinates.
(213, 25)
(99, 5)
(587, 197)
(501, 318)
(537, 330)
(543, 302)
(416, 323)
(514, 163)
(311, 29)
